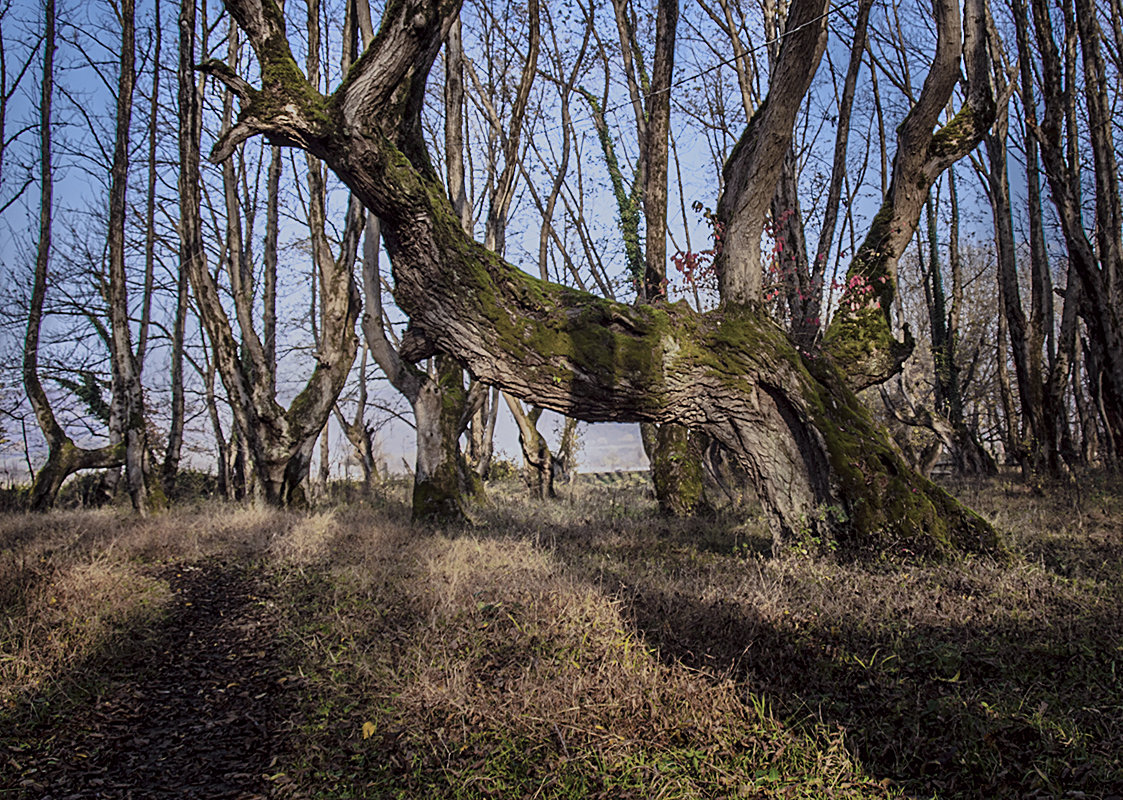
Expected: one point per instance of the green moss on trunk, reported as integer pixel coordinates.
(886, 505)
(676, 472)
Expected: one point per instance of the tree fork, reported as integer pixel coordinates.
(64, 457)
(820, 464)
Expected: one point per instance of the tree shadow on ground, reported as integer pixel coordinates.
(978, 710)
(1000, 697)
(193, 708)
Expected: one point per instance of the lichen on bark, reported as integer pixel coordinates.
(676, 472)
(815, 456)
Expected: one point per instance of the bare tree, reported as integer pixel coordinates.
(127, 391)
(1097, 258)
(816, 457)
(1042, 362)
(280, 441)
(967, 454)
(11, 78)
(64, 457)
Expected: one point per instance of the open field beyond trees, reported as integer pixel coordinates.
(582, 648)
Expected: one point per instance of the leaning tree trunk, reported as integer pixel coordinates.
(819, 462)
(64, 457)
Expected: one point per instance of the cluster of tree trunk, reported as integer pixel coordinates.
(819, 463)
(761, 380)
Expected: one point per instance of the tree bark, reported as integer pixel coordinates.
(436, 399)
(753, 169)
(655, 152)
(64, 457)
(126, 370)
(677, 472)
(1100, 266)
(676, 487)
(1038, 448)
(564, 460)
(269, 268)
(818, 461)
(150, 195)
(676, 466)
(860, 339)
(1005, 392)
(279, 441)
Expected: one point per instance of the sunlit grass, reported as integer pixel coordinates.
(587, 647)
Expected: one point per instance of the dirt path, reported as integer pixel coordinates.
(195, 712)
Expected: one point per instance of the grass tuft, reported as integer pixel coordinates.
(589, 648)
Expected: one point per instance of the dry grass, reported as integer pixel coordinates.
(64, 594)
(78, 587)
(587, 648)
(481, 667)
(969, 678)
(66, 618)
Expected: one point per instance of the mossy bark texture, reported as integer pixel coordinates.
(676, 472)
(819, 463)
(439, 475)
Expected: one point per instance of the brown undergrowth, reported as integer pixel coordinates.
(588, 648)
(76, 585)
(966, 678)
(478, 666)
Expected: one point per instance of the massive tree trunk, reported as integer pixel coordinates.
(818, 461)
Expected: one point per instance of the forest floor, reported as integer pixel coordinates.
(579, 648)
